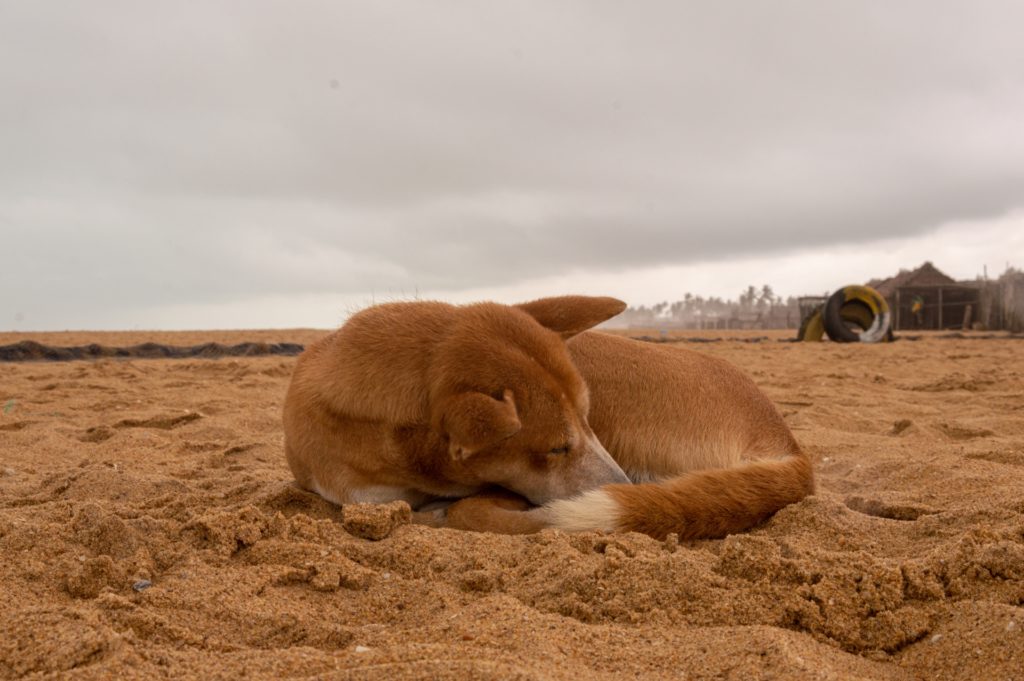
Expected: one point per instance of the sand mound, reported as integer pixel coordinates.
(149, 528)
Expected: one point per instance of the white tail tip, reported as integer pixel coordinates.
(593, 510)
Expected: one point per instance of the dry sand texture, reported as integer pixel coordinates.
(148, 529)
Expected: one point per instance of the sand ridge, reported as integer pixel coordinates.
(148, 528)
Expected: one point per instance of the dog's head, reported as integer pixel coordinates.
(511, 404)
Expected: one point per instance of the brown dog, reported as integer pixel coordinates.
(424, 401)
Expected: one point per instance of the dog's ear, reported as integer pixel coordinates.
(570, 315)
(473, 421)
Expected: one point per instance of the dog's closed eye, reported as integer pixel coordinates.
(558, 451)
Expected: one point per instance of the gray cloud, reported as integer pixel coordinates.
(162, 153)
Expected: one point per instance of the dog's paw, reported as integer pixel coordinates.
(435, 517)
(499, 513)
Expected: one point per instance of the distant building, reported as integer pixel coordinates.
(927, 298)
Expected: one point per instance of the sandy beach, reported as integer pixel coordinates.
(149, 528)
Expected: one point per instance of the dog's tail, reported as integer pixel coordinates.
(700, 504)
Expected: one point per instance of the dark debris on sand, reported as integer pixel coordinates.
(31, 351)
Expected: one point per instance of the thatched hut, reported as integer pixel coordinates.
(927, 298)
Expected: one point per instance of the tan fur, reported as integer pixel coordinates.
(489, 510)
(435, 401)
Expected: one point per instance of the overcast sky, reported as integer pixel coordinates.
(273, 164)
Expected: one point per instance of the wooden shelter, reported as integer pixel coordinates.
(927, 298)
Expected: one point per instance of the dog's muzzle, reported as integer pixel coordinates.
(600, 468)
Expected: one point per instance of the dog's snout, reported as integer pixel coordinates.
(594, 467)
(602, 468)
(619, 476)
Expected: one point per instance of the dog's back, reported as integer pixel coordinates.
(665, 410)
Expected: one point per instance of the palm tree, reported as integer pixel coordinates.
(748, 297)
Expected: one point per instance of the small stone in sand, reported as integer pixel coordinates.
(374, 521)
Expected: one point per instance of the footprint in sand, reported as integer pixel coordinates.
(160, 422)
(902, 426)
(888, 510)
(957, 432)
(1006, 457)
(103, 433)
(96, 434)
